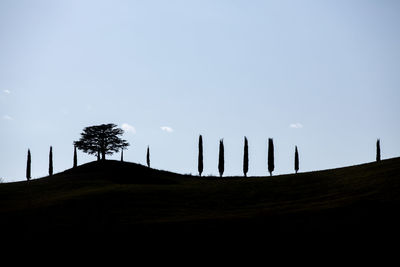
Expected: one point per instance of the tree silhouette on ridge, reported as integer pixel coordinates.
(245, 157)
(221, 159)
(101, 139)
(271, 163)
(378, 150)
(296, 160)
(148, 156)
(28, 165)
(51, 161)
(200, 158)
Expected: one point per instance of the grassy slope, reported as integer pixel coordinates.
(115, 197)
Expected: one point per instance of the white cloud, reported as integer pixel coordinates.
(128, 128)
(296, 125)
(7, 117)
(167, 129)
(7, 92)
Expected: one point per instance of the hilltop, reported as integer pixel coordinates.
(119, 198)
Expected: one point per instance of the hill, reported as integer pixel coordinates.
(118, 198)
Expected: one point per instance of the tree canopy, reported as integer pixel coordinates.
(101, 139)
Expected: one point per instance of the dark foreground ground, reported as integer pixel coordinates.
(115, 200)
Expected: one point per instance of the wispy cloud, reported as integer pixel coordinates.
(296, 125)
(7, 92)
(128, 128)
(7, 117)
(167, 129)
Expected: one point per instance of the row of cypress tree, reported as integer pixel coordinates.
(28, 163)
(271, 160)
(221, 158)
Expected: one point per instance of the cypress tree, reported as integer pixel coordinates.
(221, 161)
(28, 166)
(51, 161)
(378, 150)
(148, 156)
(122, 155)
(75, 158)
(296, 160)
(271, 165)
(200, 160)
(246, 157)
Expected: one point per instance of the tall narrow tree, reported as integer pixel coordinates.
(296, 160)
(28, 166)
(378, 150)
(122, 155)
(200, 159)
(221, 161)
(51, 161)
(245, 157)
(148, 156)
(75, 158)
(271, 164)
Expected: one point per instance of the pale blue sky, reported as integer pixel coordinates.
(223, 69)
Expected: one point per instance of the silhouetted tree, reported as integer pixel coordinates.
(378, 150)
(148, 156)
(122, 155)
(98, 155)
(75, 158)
(51, 161)
(28, 166)
(296, 160)
(104, 139)
(271, 165)
(200, 160)
(221, 161)
(246, 157)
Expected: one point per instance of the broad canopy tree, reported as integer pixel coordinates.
(101, 140)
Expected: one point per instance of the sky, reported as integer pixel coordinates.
(322, 75)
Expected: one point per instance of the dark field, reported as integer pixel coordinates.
(125, 200)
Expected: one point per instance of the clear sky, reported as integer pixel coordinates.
(322, 75)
